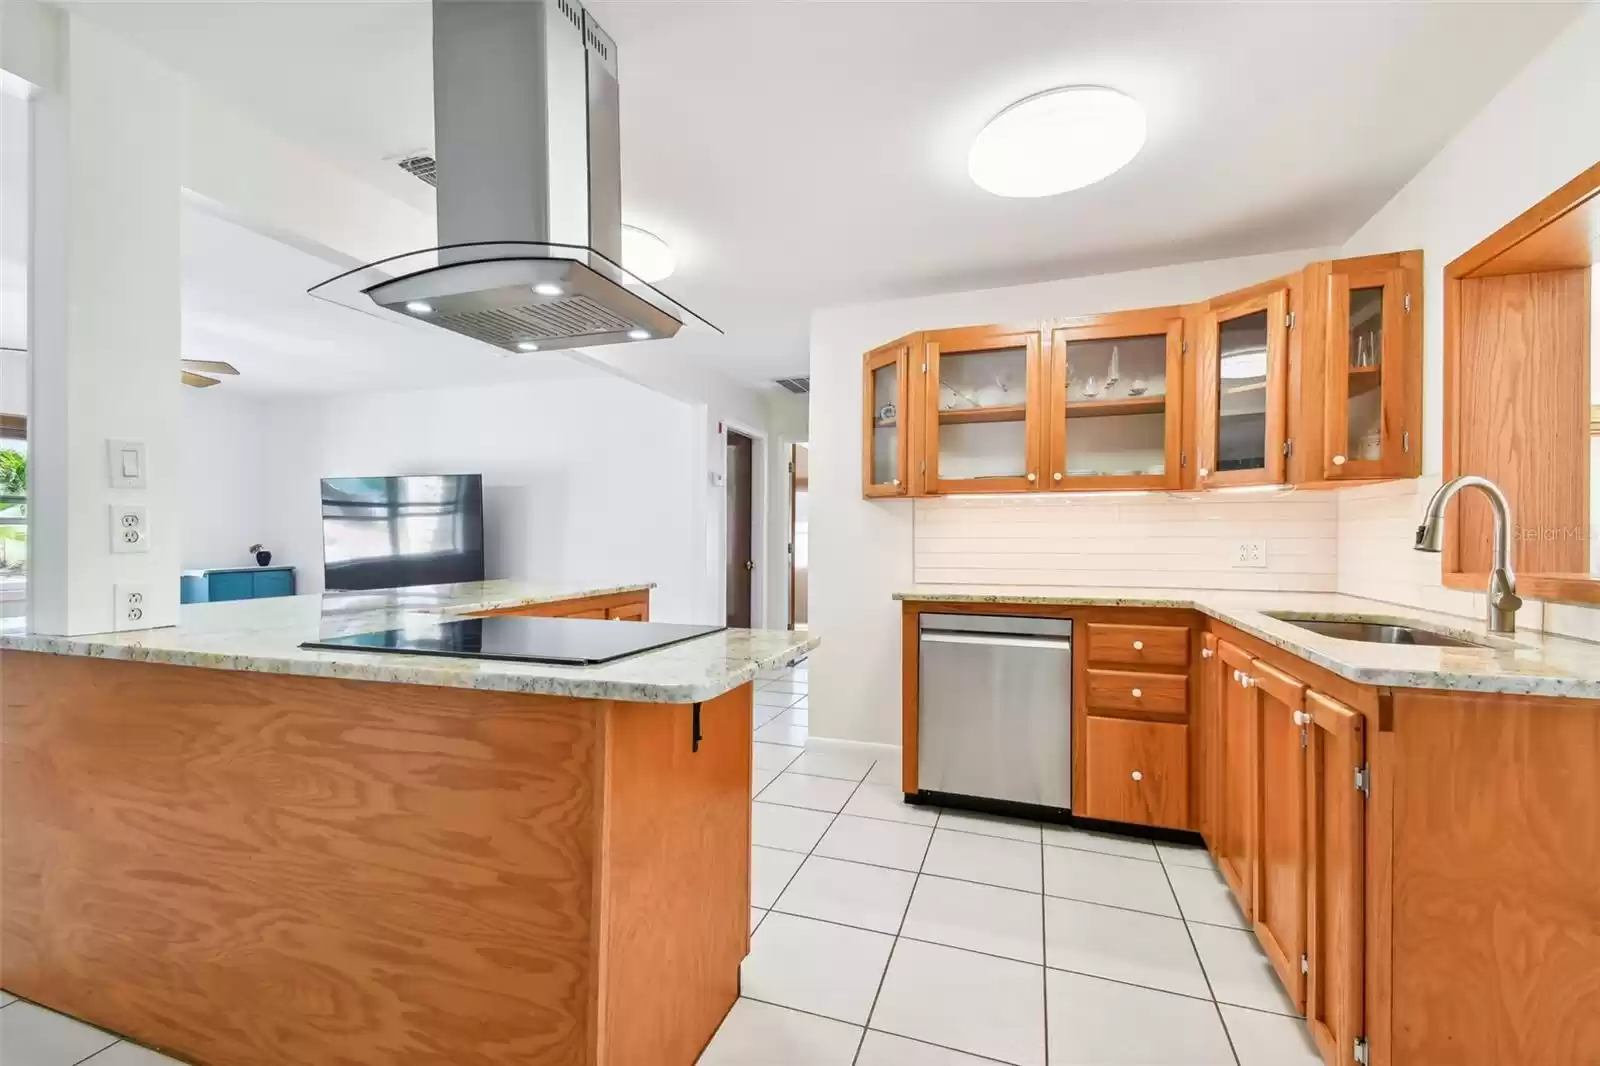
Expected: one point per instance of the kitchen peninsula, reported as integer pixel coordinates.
(244, 852)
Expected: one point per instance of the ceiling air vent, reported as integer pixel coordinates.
(796, 385)
(420, 166)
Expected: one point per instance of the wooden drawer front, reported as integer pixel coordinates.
(1140, 695)
(598, 612)
(1137, 772)
(1138, 645)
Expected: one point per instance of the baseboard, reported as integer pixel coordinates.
(865, 747)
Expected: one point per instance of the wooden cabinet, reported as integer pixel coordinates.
(1372, 354)
(1336, 871)
(1205, 723)
(1280, 811)
(631, 606)
(638, 611)
(1142, 645)
(1235, 844)
(981, 409)
(1241, 392)
(1114, 416)
(1138, 772)
(886, 419)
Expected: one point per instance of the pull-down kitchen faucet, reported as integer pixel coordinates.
(1503, 598)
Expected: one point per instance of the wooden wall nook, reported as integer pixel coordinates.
(619, 606)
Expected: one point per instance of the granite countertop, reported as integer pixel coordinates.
(264, 636)
(1528, 663)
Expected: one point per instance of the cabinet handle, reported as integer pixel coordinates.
(1137, 694)
(1338, 460)
(1206, 653)
(1138, 645)
(1058, 475)
(1032, 476)
(1137, 776)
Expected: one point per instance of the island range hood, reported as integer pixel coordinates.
(528, 173)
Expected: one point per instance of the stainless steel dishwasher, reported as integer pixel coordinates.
(995, 708)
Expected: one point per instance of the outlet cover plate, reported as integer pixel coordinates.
(1250, 554)
(130, 528)
(132, 606)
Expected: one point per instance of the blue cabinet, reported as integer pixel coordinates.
(240, 583)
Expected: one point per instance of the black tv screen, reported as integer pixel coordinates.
(392, 532)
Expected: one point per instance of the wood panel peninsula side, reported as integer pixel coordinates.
(241, 852)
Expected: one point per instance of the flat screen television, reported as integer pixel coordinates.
(392, 532)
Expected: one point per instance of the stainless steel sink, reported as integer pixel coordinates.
(1377, 632)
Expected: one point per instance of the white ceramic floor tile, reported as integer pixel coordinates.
(989, 825)
(880, 801)
(827, 969)
(5, 997)
(1205, 896)
(792, 716)
(802, 790)
(991, 860)
(848, 765)
(1262, 1039)
(781, 700)
(1065, 836)
(760, 779)
(962, 1000)
(871, 897)
(876, 841)
(788, 828)
(770, 871)
(1141, 949)
(778, 733)
(1095, 877)
(760, 716)
(1102, 1023)
(756, 914)
(998, 921)
(33, 1036)
(803, 703)
(1185, 855)
(776, 757)
(126, 1054)
(796, 688)
(1239, 971)
(886, 772)
(884, 1049)
(774, 1036)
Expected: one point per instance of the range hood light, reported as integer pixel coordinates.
(419, 307)
(638, 334)
(527, 346)
(544, 288)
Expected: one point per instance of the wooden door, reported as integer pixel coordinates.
(1241, 401)
(1280, 915)
(1335, 878)
(1236, 816)
(886, 430)
(1137, 772)
(741, 561)
(1366, 429)
(1114, 415)
(1205, 737)
(982, 400)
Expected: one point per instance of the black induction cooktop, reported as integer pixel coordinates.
(560, 641)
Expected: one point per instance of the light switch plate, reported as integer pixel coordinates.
(133, 606)
(1251, 554)
(125, 458)
(130, 528)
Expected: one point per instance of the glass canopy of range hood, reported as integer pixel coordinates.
(520, 296)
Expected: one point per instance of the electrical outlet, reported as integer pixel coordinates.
(133, 606)
(1250, 553)
(130, 528)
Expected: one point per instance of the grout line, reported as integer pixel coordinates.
(1044, 951)
(864, 1030)
(105, 1049)
(1198, 958)
(779, 897)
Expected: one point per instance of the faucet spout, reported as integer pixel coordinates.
(1503, 600)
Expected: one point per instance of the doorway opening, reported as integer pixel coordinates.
(799, 533)
(740, 479)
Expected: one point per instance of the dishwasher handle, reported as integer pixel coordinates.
(995, 640)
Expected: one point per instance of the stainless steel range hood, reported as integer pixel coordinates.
(529, 190)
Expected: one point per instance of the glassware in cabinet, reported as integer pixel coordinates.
(982, 409)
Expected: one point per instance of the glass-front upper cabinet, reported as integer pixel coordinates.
(1115, 411)
(982, 409)
(886, 436)
(1369, 371)
(1241, 403)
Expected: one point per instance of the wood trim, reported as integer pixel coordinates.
(1279, 685)
(896, 353)
(1559, 588)
(910, 695)
(635, 606)
(1496, 253)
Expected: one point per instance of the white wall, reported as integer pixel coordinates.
(862, 551)
(788, 416)
(223, 451)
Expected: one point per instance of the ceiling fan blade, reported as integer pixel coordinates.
(210, 366)
(199, 381)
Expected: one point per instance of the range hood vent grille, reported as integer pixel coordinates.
(575, 316)
(800, 386)
(422, 167)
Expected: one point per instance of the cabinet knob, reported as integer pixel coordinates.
(1032, 476)
(1137, 694)
(1204, 472)
(1138, 645)
(895, 482)
(1302, 718)
(1247, 681)
(1338, 460)
(1058, 475)
(1137, 776)
(1206, 653)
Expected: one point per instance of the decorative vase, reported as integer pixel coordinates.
(263, 558)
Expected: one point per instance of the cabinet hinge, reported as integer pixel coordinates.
(1405, 442)
(1185, 347)
(1305, 964)
(1364, 779)
(1305, 738)
(924, 368)
(1362, 1052)
(922, 466)
(1406, 302)
(791, 468)
(1288, 448)
(1288, 320)
(1183, 459)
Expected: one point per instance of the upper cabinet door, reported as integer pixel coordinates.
(886, 420)
(1241, 403)
(1115, 411)
(982, 410)
(1367, 426)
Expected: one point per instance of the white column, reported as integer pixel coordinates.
(104, 320)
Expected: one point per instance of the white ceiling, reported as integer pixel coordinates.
(805, 155)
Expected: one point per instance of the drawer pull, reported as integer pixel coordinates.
(1238, 675)
(1137, 694)
(1137, 776)
(1206, 653)
(1138, 645)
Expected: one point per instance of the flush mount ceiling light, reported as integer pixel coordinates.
(646, 256)
(1057, 141)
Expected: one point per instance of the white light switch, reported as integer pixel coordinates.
(130, 528)
(126, 460)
